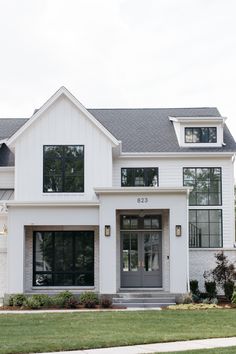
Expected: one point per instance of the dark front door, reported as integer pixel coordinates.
(141, 259)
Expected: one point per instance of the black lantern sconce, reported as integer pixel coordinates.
(107, 230)
(178, 230)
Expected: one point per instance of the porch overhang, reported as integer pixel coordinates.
(143, 190)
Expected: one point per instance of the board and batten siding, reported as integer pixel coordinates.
(171, 175)
(62, 124)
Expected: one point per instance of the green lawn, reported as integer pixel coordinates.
(229, 350)
(68, 331)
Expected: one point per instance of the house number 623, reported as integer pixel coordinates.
(142, 200)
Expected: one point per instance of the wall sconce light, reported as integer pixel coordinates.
(4, 230)
(107, 230)
(178, 230)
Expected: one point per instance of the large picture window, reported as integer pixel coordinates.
(206, 183)
(205, 228)
(63, 168)
(139, 177)
(63, 258)
(201, 135)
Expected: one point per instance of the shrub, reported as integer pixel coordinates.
(17, 300)
(62, 298)
(233, 299)
(210, 301)
(184, 299)
(105, 302)
(194, 287)
(196, 298)
(223, 273)
(228, 289)
(43, 299)
(88, 299)
(33, 302)
(210, 287)
(71, 303)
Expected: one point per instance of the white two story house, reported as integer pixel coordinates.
(113, 199)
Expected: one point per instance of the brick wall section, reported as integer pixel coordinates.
(202, 260)
(3, 265)
(28, 268)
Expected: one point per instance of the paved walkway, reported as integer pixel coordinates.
(33, 312)
(160, 347)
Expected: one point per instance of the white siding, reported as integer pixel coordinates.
(62, 124)
(171, 175)
(6, 178)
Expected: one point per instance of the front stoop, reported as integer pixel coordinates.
(144, 299)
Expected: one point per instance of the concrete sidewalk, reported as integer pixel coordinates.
(160, 347)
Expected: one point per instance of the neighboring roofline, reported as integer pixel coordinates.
(48, 103)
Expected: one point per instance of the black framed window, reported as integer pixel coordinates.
(136, 222)
(139, 177)
(205, 228)
(201, 135)
(206, 183)
(63, 258)
(63, 168)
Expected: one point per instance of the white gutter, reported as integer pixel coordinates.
(191, 154)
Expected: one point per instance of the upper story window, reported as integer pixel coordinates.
(206, 183)
(139, 177)
(63, 168)
(201, 135)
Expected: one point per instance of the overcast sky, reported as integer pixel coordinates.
(118, 53)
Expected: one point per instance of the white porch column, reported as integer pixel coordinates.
(179, 259)
(15, 254)
(107, 247)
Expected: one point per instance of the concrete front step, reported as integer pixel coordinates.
(144, 305)
(144, 299)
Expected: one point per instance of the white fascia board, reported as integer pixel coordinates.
(3, 141)
(51, 204)
(126, 155)
(148, 190)
(48, 103)
(205, 119)
(7, 168)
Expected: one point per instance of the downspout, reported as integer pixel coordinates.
(187, 228)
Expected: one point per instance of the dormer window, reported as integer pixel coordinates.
(201, 135)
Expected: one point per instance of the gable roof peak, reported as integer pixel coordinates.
(62, 91)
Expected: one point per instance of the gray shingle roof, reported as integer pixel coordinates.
(140, 130)
(8, 126)
(150, 130)
(6, 194)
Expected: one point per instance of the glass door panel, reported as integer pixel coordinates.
(130, 252)
(151, 252)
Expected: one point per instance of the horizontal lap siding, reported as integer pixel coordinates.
(171, 175)
(7, 179)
